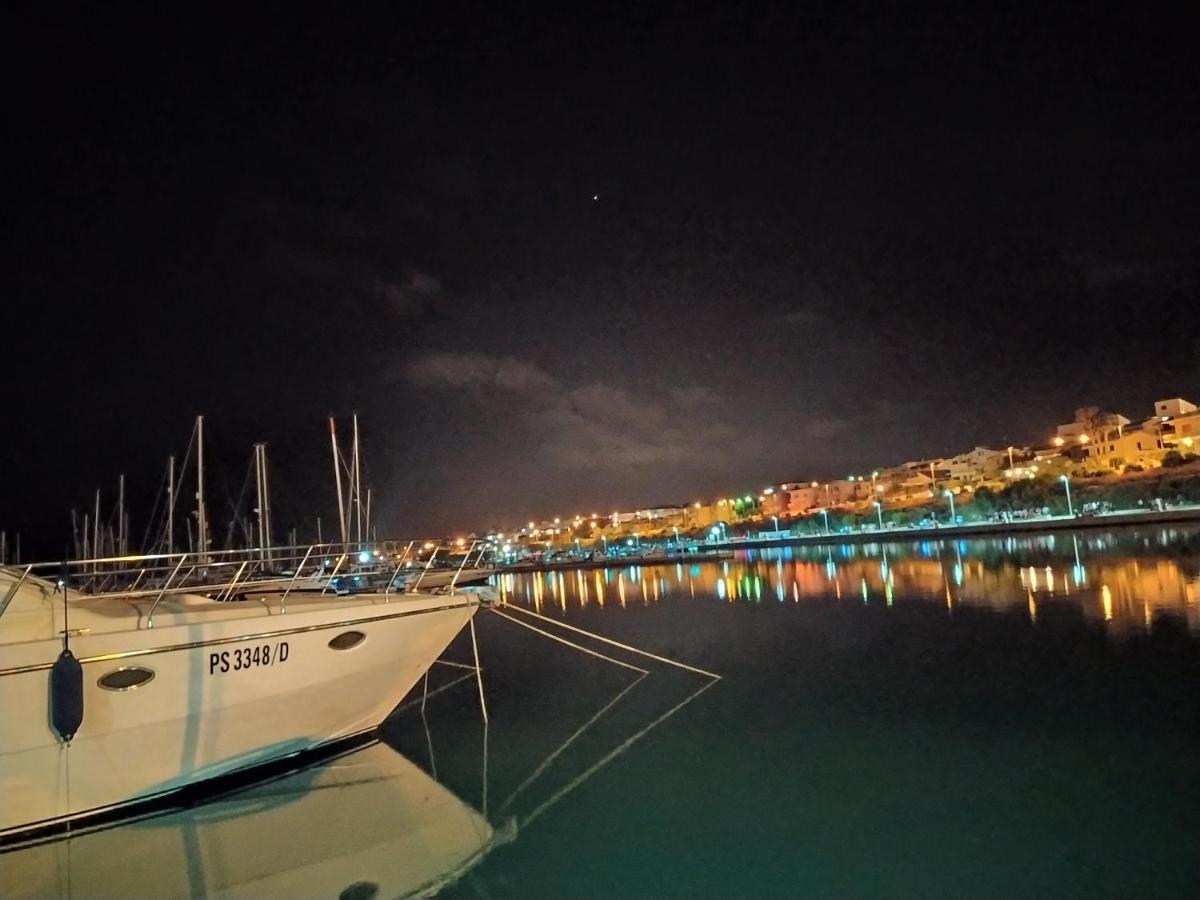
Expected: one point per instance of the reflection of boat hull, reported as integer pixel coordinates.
(234, 685)
(370, 818)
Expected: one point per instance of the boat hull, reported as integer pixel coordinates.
(225, 695)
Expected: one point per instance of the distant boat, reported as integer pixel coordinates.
(180, 682)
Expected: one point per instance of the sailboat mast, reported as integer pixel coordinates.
(266, 501)
(96, 533)
(201, 516)
(357, 486)
(258, 496)
(337, 474)
(171, 504)
(120, 548)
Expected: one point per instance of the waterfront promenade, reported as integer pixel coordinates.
(1182, 514)
(724, 549)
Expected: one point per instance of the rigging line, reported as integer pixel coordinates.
(187, 458)
(581, 649)
(237, 507)
(568, 742)
(605, 640)
(153, 512)
(611, 755)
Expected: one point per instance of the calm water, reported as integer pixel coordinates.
(991, 717)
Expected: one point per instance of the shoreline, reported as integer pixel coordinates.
(724, 550)
(1052, 523)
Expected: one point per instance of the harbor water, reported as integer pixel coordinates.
(992, 717)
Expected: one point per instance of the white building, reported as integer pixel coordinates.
(1177, 424)
(975, 465)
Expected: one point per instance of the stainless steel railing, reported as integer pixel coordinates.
(224, 572)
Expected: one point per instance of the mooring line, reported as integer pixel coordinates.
(444, 687)
(568, 742)
(598, 637)
(572, 644)
(610, 756)
(457, 665)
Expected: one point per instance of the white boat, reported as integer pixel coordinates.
(182, 684)
(370, 823)
(432, 579)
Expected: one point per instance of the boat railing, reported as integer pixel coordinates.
(223, 574)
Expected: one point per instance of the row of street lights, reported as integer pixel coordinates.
(720, 530)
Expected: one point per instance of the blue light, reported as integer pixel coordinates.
(364, 557)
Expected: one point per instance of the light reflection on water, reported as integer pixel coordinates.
(848, 749)
(1123, 577)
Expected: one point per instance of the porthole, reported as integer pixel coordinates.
(126, 679)
(347, 639)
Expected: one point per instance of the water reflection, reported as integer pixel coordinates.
(370, 824)
(1123, 577)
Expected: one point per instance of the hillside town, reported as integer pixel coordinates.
(1096, 447)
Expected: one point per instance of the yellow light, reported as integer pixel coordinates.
(1187, 442)
(429, 545)
(530, 524)
(1058, 442)
(460, 541)
(697, 504)
(1083, 439)
(557, 520)
(814, 484)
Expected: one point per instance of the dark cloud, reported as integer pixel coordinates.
(593, 425)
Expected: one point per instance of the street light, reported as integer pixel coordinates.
(775, 519)
(825, 513)
(953, 517)
(676, 530)
(879, 513)
(1067, 483)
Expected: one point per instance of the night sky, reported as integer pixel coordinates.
(580, 262)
